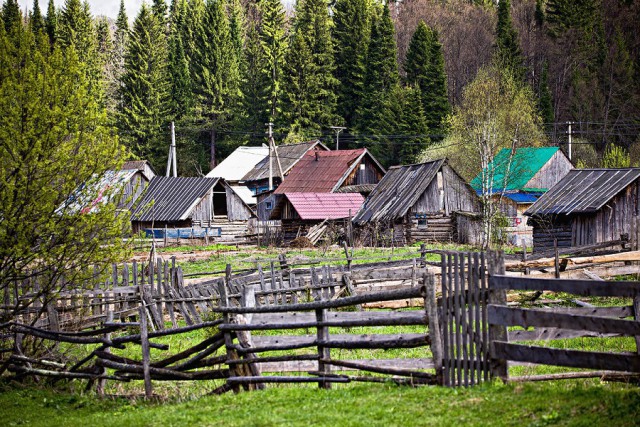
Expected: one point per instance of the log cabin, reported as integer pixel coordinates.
(422, 202)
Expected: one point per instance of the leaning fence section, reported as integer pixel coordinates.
(317, 355)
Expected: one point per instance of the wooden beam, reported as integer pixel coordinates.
(571, 286)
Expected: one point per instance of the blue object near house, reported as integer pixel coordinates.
(183, 233)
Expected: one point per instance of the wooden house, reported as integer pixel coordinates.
(515, 179)
(139, 174)
(301, 211)
(203, 205)
(587, 206)
(422, 202)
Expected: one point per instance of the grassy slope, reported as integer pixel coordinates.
(363, 405)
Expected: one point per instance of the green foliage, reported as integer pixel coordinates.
(53, 139)
(180, 84)
(273, 43)
(374, 117)
(351, 32)
(424, 67)
(407, 119)
(36, 20)
(11, 15)
(51, 22)
(142, 119)
(508, 52)
(310, 82)
(615, 157)
(545, 101)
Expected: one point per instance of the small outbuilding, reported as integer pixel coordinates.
(421, 202)
(301, 211)
(204, 205)
(587, 206)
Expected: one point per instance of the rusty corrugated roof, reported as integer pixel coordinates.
(289, 154)
(320, 171)
(584, 191)
(320, 206)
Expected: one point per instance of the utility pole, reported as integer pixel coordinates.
(569, 144)
(270, 133)
(338, 129)
(171, 160)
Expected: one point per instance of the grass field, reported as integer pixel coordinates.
(576, 403)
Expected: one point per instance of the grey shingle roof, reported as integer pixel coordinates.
(171, 199)
(289, 155)
(583, 191)
(398, 190)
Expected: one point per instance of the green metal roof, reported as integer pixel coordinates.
(513, 172)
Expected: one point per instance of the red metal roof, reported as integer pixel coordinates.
(319, 171)
(325, 205)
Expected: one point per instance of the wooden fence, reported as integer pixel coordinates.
(563, 322)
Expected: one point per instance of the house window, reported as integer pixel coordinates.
(422, 220)
(268, 205)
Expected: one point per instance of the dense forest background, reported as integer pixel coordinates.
(409, 80)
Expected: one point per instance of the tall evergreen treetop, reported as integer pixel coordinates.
(11, 14)
(508, 46)
(51, 22)
(36, 20)
(351, 32)
(273, 40)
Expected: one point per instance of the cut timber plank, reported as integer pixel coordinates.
(526, 317)
(570, 358)
(576, 287)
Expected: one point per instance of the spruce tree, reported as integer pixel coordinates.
(351, 32)
(409, 124)
(424, 68)
(142, 121)
(51, 22)
(36, 21)
(255, 85)
(215, 69)
(11, 14)
(311, 99)
(159, 9)
(545, 101)
(273, 42)
(180, 93)
(381, 79)
(508, 48)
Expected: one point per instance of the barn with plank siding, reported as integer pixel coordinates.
(420, 203)
(199, 203)
(587, 206)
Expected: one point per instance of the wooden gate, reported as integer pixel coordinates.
(465, 330)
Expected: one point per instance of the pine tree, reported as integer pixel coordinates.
(508, 48)
(180, 93)
(424, 67)
(273, 41)
(409, 123)
(255, 85)
(545, 101)
(351, 32)
(215, 69)
(142, 121)
(11, 14)
(36, 21)
(159, 9)
(51, 22)
(311, 99)
(381, 79)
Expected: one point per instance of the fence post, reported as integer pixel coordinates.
(498, 367)
(232, 354)
(323, 352)
(244, 337)
(346, 254)
(144, 341)
(430, 304)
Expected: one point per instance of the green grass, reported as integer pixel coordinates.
(578, 403)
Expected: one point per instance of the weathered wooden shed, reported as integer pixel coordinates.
(587, 206)
(420, 203)
(515, 179)
(198, 203)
